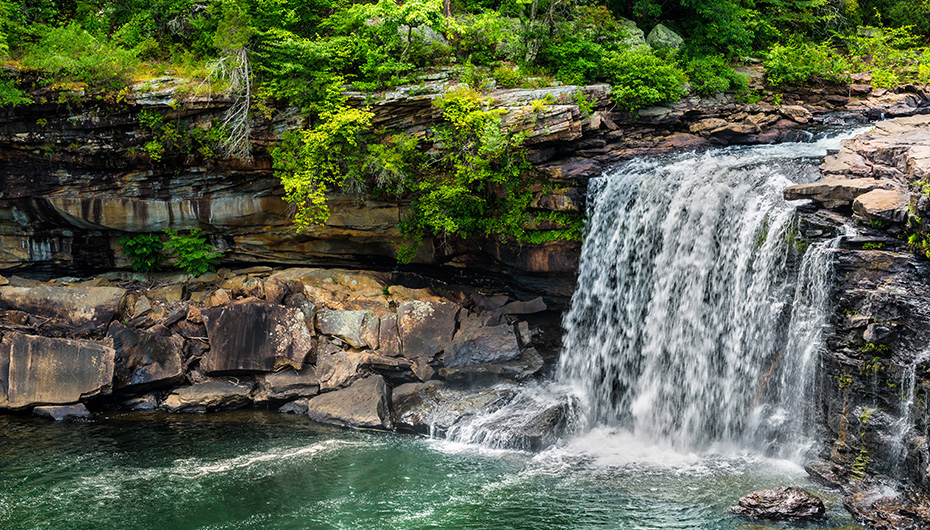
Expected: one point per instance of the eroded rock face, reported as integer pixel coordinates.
(145, 360)
(781, 504)
(254, 337)
(73, 308)
(366, 403)
(46, 371)
(215, 394)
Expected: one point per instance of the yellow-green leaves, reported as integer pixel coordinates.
(315, 160)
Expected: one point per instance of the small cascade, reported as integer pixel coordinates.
(698, 311)
(908, 410)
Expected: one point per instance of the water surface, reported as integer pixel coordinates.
(261, 470)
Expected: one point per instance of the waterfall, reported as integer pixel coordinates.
(698, 311)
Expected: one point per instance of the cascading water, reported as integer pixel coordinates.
(698, 311)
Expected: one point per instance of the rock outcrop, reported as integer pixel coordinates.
(781, 504)
(365, 403)
(875, 383)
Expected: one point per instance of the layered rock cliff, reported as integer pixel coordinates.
(876, 359)
(75, 174)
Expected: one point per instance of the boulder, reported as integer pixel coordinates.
(781, 504)
(879, 504)
(145, 360)
(434, 407)
(46, 371)
(795, 113)
(254, 337)
(287, 385)
(366, 403)
(74, 308)
(426, 328)
(634, 36)
(215, 394)
(474, 344)
(663, 37)
(884, 205)
(336, 368)
(833, 192)
(524, 307)
(350, 326)
(75, 411)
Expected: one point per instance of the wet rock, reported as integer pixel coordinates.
(146, 402)
(885, 205)
(46, 371)
(434, 406)
(215, 394)
(73, 308)
(287, 385)
(75, 411)
(781, 504)
(474, 344)
(254, 337)
(366, 403)
(349, 326)
(145, 360)
(826, 473)
(425, 328)
(882, 506)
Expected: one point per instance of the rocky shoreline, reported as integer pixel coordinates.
(347, 348)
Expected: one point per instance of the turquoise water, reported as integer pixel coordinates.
(259, 470)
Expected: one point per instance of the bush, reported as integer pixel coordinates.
(69, 53)
(641, 78)
(805, 62)
(143, 251)
(711, 74)
(575, 59)
(890, 54)
(476, 37)
(193, 254)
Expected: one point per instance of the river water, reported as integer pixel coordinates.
(689, 356)
(262, 470)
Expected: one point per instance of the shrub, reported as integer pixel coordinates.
(641, 78)
(143, 251)
(193, 254)
(476, 37)
(711, 74)
(72, 54)
(575, 59)
(805, 62)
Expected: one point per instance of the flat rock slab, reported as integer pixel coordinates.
(254, 337)
(833, 192)
(145, 360)
(76, 308)
(76, 411)
(366, 403)
(216, 394)
(46, 371)
(781, 504)
(426, 328)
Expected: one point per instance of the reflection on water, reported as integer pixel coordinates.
(255, 470)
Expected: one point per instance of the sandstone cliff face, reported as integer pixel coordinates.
(74, 176)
